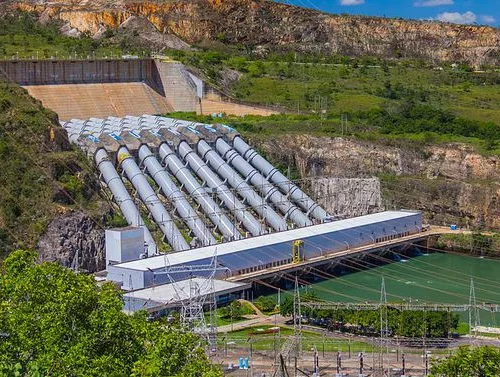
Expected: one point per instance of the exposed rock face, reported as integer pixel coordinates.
(450, 183)
(74, 241)
(267, 23)
(348, 197)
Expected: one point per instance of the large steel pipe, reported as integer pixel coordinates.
(122, 197)
(261, 183)
(152, 202)
(223, 192)
(198, 193)
(241, 186)
(274, 175)
(170, 190)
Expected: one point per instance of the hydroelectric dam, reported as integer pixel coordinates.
(223, 209)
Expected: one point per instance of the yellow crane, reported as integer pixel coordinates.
(298, 251)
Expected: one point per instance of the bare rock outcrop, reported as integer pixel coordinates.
(73, 240)
(348, 197)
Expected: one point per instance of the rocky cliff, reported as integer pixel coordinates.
(347, 197)
(74, 240)
(450, 183)
(269, 24)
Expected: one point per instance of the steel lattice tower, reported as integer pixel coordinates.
(197, 299)
(474, 320)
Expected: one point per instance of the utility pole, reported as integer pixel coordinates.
(403, 370)
(361, 364)
(384, 326)
(339, 365)
(316, 362)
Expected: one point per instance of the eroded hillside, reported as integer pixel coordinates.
(277, 26)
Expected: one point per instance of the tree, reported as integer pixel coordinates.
(265, 304)
(286, 306)
(53, 321)
(469, 362)
(233, 311)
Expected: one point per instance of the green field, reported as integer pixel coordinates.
(366, 98)
(243, 338)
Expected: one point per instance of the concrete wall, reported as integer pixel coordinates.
(53, 72)
(180, 90)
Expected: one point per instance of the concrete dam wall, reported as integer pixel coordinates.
(117, 87)
(56, 72)
(93, 88)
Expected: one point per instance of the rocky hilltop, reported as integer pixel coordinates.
(267, 24)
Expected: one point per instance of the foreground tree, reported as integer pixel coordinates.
(469, 362)
(55, 322)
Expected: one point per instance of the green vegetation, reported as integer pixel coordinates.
(234, 312)
(56, 322)
(475, 244)
(265, 304)
(365, 97)
(23, 37)
(400, 322)
(41, 174)
(468, 362)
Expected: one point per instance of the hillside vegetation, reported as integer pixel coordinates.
(41, 175)
(366, 97)
(23, 37)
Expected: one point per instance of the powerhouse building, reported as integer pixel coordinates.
(271, 250)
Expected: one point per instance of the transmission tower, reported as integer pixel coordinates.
(197, 298)
(384, 325)
(297, 317)
(474, 320)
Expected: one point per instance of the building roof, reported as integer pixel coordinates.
(207, 252)
(166, 295)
